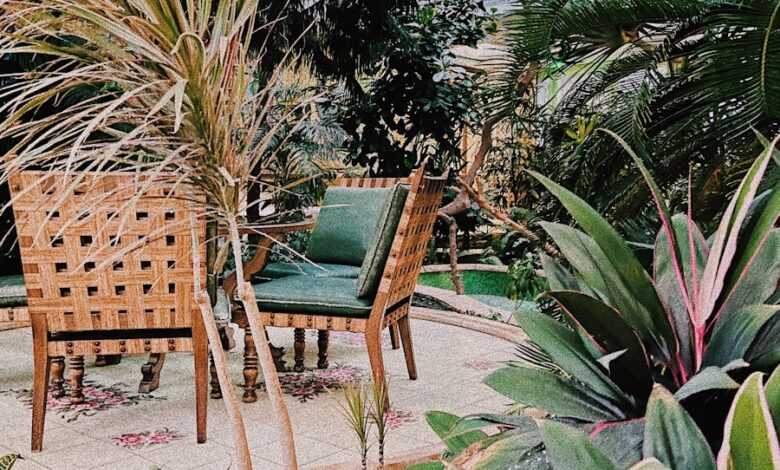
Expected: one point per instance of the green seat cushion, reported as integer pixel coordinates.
(379, 249)
(346, 225)
(312, 295)
(12, 291)
(280, 270)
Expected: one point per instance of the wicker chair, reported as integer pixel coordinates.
(117, 281)
(387, 306)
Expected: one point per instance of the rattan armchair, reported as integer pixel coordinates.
(107, 272)
(389, 306)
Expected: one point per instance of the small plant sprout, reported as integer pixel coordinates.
(356, 410)
(380, 406)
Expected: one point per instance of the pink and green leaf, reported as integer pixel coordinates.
(749, 438)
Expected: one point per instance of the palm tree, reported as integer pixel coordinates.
(177, 100)
(684, 83)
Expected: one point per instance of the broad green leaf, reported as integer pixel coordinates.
(709, 378)
(772, 390)
(672, 436)
(549, 392)
(621, 442)
(482, 420)
(724, 246)
(764, 353)
(756, 283)
(649, 464)
(569, 448)
(679, 284)
(734, 334)
(667, 284)
(585, 256)
(611, 333)
(596, 270)
(442, 423)
(764, 223)
(568, 352)
(612, 270)
(557, 276)
(511, 449)
(749, 438)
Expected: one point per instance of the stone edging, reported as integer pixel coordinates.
(463, 304)
(441, 268)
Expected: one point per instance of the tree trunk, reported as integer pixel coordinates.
(453, 253)
(483, 203)
(232, 405)
(247, 296)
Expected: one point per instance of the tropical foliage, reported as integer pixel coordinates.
(696, 325)
(419, 99)
(684, 82)
(673, 441)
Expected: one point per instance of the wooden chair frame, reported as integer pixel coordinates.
(393, 299)
(14, 317)
(140, 301)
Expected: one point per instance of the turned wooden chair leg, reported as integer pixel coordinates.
(250, 367)
(40, 382)
(394, 337)
(216, 391)
(151, 373)
(323, 337)
(57, 365)
(374, 346)
(405, 331)
(103, 360)
(200, 350)
(76, 366)
(299, 346)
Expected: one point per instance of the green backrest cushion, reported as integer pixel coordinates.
(346, 225)
(374, 262)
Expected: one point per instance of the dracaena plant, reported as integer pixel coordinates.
(172, 97)
(703, 311)
(672, 440)
(702, 319)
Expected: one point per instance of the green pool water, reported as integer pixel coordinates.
(474, 282)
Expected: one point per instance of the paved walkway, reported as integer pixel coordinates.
(118, 429)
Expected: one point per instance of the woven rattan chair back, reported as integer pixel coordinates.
(107, 261)
(409, 246)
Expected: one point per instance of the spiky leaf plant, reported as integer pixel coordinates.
(176, 101)
(357, 411)
(672, 440)
(704, 318)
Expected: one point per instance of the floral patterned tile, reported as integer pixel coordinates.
(482, 364)
(97, 398)
(397, 418)
(310, 384)
(143, 439)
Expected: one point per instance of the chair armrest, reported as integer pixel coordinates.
(267, 240)
(276, 229)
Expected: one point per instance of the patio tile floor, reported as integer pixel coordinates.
(119, 429)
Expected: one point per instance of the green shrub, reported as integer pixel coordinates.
(705, 318)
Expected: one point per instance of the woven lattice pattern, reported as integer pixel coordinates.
(106, 258)
(411, 241)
